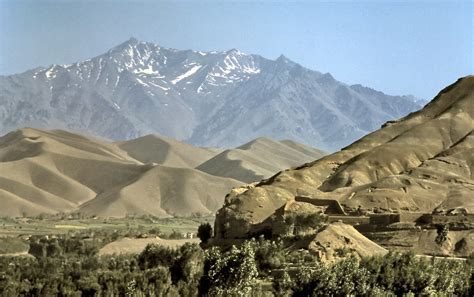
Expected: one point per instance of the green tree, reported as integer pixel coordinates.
(231, 273)
(204, 232)
(37, 249)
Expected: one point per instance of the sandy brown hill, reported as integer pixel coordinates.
(338, 236)
(163, 191)
(166, 151)
(418, 163)
(58, 171)
(258, 159)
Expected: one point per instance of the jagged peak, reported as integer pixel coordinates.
(235, 51)
(284, 61)
(132, 40)
(362, 88)
(132, 43)
(283, 58)
(327, 77)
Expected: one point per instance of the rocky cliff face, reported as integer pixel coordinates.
(207, 98)
(422, 162)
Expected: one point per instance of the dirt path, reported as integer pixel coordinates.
(18, 254)
(442, 258)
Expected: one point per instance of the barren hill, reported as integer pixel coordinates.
(167, 151)
(58, 171)
(163, 191)
(422, 162)
(259, 159)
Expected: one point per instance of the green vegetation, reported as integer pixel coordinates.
(65, 262)
(302, 223)
(67, 265)
(63, 224)
(230, 273)
(392, 275)
(10, 245)
(204, 232)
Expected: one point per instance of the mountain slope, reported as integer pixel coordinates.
(163, 191)
(58, 171)
(422, 162)
(259, 159)
(166, 151)
(208, 98)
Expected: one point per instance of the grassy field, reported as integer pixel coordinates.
(12, 246)
(13, 231)
(30, 226)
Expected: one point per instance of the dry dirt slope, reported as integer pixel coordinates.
(166, 151)
(58, 171)
(341, 236)
(258, 159)
(418, 163)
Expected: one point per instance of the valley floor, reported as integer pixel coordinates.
(16, 232)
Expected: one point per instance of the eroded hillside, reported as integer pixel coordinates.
(57, 171)
(422, 162)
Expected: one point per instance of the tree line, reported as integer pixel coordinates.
(256, 267)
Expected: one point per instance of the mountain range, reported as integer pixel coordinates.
(212, 99)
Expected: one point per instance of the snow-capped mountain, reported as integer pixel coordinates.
(207, 98)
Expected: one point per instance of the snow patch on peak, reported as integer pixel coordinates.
(142, 82)
(188, 73)
(50, 73)
(235, 52)
(149, 70)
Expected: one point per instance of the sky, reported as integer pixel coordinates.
(398, 47)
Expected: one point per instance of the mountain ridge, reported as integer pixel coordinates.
(217, 98)
(258, 159)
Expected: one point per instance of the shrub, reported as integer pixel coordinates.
(175, 235)
(442, 233)
(303, 222)
(268, 254)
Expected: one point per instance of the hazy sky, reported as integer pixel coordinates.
(403, 47)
